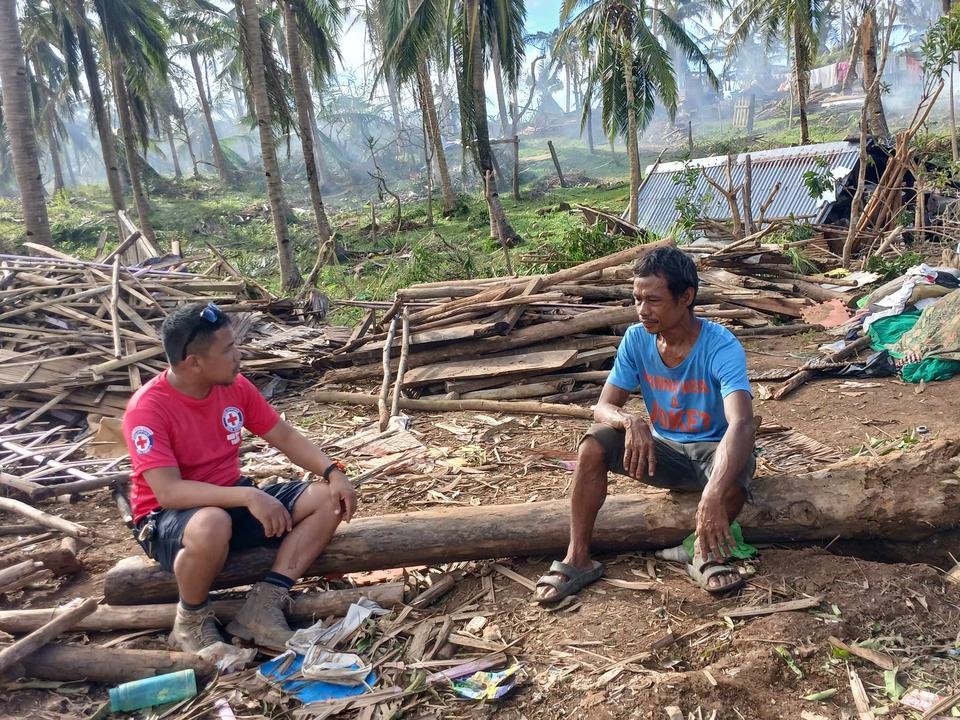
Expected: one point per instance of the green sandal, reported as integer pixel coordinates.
(701, 569)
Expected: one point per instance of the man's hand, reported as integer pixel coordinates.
(639, 454)
(713, 527)
(270, 512)
(344, 495)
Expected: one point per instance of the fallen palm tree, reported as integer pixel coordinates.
(905, 496)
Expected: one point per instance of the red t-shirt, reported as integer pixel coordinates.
(165, 428)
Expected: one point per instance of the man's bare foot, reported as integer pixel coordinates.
(723, 579)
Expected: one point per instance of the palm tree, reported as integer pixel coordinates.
(319, 24)
(75, 33)
(629, 67)
(135, 35)
(473, 25)
(799, 23)
(19, 123)
(253, 54)
(411, 32)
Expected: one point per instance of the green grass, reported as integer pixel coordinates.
(459, 247)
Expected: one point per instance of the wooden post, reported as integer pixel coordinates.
(384, 411)
(402, 367)
(751, 113)
(749, 227)
(556, 163)
(690, 137)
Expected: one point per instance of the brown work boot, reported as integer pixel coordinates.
(193, 630)
(261, 618)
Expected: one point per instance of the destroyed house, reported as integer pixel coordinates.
(662, 186)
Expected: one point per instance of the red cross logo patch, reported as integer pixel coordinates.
(232, 419)
(142, 438)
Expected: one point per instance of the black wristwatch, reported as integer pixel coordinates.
(335, 465)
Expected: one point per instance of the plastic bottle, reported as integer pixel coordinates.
(157, 690)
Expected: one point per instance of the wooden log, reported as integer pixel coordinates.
(61, 561)
(50, 521)
(809, 369)
(431, 405)
(575, 396)
(78, 486)
(906, 495)
(41, 636)
(110, 666)
(307, 607)
(519, 391)
(21, 529)
(20, 570)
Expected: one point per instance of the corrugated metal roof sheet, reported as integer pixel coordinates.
(657, 208)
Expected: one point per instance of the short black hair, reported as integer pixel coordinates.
(674, 266)
(186, 326)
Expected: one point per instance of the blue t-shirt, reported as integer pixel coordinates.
(685, 403)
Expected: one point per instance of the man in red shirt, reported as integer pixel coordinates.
(190, 505)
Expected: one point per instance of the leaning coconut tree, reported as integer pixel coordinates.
(18, 118)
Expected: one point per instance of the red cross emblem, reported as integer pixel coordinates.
(232, 419)
(142, 438)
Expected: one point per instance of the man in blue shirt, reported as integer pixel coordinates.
(698, 436)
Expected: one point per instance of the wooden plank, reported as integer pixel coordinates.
(772, 608)
(484, 367)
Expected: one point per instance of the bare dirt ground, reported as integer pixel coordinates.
(678, 648)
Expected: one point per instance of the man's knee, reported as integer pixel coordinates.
(591, 455)
(316, 500)
(209, 527)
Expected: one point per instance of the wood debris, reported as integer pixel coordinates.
(548, 339)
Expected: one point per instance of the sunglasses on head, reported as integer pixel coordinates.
(211, 314)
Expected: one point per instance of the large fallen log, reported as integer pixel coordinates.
(110, 666)
(904, 496)
(306, 608)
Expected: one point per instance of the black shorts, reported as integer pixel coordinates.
(683, 467)
(167, 538)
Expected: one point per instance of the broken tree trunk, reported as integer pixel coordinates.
(306, 608)
(106, 665)
(898, 497)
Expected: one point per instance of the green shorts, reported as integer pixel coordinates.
(684, 467)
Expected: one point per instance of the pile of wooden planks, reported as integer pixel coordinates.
(550, 338)
(81, 336)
